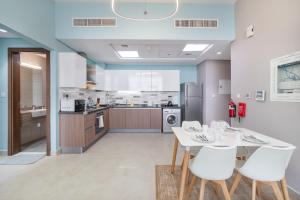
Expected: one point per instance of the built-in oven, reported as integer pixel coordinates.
(99, 123)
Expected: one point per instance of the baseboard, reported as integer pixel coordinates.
(296, 193)
(116, 130)
(3, 153)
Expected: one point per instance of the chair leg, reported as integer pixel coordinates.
(253, 190)
(225, 190)
(202, 189)
(277, 191)
(285, 189)
(235, 183)
(190, 188)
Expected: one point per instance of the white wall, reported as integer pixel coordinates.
(277, 33)
(214, 104)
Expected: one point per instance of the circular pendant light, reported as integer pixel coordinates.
(146, 12)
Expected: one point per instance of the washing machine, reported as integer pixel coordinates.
(171, 118)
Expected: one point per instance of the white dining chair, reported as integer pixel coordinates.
(267, 165)
(214, 164)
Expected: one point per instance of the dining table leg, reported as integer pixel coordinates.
(184, 173)
(174, 155)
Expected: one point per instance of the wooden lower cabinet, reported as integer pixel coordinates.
(117, 118)
(71, 130)
(135, 118)
(106, 119)
(78, 131)
(156, 118)
(89, 134)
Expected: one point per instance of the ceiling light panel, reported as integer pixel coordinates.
(195, 47)
(129, 54)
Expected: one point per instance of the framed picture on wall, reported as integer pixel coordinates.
(285, 78)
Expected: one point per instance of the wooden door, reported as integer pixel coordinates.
(117, 118)
(132, 118)
(15, 117)
(143, 118)
(14, 98)
(156, 118)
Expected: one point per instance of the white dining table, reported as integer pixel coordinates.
(228, 138)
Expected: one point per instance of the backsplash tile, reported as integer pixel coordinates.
(121, 97)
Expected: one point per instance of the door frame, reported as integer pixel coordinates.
(11, 122)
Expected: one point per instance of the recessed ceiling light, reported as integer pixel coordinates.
(195, 47)
(129, 54)
(3, 31)
(219, 53)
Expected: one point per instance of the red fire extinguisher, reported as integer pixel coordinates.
(232, 109)
(242, 110)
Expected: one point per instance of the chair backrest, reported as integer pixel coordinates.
(188, 124)
(268, 163)
(214, 163)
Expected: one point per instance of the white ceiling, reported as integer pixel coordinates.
(151, 51)
(157, 1)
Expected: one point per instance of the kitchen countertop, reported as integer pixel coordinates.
(85, 112)
(121, 106)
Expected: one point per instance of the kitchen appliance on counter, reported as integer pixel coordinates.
(72, 105)
(171, 118)
(191, 100)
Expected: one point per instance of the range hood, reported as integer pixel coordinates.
(91, 77)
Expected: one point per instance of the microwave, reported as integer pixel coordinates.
(72, 105)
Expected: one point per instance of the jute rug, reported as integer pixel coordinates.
(167, 188)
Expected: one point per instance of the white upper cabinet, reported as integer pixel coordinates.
(122, 80)
(142, 80)
(100, 78)
(72, 70)
(165, 80)
(145, 80)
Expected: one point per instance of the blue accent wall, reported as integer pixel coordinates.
(188, 73)
(31, 18)
(129, 29)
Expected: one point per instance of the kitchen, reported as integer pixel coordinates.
(108, 100)
(150, 99)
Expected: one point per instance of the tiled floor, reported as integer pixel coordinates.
(118, 167)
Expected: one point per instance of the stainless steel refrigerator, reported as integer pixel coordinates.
(191, 100)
